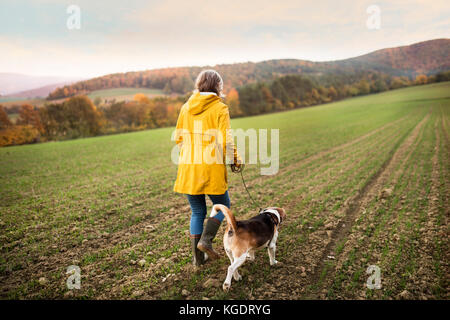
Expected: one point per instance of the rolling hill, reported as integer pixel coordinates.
(40, 92)
(427, 57)
(14, 83)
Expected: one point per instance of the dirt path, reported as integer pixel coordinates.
(323, 153)
(434, 264)
(372, 188)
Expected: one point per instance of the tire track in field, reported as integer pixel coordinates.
(433, 231)
(374, 184)
(341, 164)
(323, 153)
(381, 223)
(439, 171)
(444, 126)
(301, 179)
(296, 270)
(420, 282)
(303, 163)
(316, 156)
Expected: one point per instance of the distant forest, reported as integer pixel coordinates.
(78, 116)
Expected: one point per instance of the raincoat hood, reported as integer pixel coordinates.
(198, 103)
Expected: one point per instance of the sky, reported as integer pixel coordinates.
(120, 36)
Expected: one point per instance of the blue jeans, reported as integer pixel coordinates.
(198, 207)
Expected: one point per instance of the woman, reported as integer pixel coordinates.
(203, 133)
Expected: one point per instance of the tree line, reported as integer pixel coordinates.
(79, 117)
(295, 91)
(180, 80)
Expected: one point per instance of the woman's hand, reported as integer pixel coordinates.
(237, 167)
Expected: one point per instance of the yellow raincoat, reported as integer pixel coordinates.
(203, 134)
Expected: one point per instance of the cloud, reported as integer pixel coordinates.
(118, 36)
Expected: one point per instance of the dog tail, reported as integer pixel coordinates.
(226, 212)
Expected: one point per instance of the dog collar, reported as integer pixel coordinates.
(275, 212)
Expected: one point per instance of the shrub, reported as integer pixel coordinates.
(17, 135)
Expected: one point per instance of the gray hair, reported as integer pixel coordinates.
(209, 81)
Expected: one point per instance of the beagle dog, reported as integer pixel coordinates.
(242, 238)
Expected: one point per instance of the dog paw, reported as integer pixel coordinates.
(237, 277)
(273, 263)
(226, 286)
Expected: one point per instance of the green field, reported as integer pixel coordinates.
(364, 181)
(9, 102)
(13, 99)
(117, 94)
(124, 93)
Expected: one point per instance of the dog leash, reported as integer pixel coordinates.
(239, 170)
(261, 211)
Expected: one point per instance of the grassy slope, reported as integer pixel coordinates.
(119, 94)
(55, 195)
(123, 93)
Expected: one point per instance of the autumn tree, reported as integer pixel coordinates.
(315, 96)
(279, 92)
(251, 99)
(332, 93)
(158, 113)
(28, 115)
(17, 135)
(443, 76)
(4, 119)
(399, 82)
(379, 85)
(363, 87)
(97, 101)
(232, 100)
(83, 118)
(421, 79)
(141, 98)
(53, 120)
(173, 109)
(268, 99)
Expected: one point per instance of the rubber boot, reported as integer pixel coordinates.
(205, 243)
(198, 257)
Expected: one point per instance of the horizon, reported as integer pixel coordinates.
(142, 35)
(230, 63)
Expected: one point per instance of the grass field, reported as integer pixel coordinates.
(121, 94)
(9, 102)
(364, 181)
(13, 99)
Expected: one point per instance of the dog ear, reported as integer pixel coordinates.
(282, 213)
